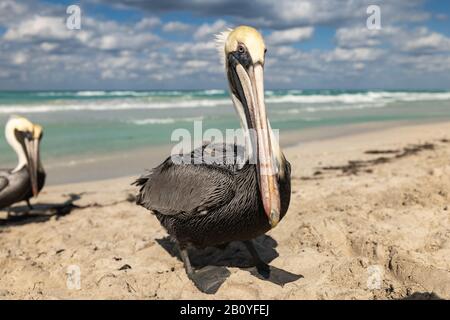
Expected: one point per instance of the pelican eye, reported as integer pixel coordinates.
(241, 55)
(241, 48)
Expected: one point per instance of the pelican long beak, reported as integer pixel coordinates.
(248, 86)
(32, 153)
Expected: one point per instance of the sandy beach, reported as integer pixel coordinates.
(369, 219)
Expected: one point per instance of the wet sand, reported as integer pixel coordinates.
(369, 219)
(94, 167)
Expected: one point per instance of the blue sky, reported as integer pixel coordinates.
(133, 44)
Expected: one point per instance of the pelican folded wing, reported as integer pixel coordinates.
(3, 183)
(185, 189)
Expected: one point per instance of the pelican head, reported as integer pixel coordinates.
(24, 138)
(244, 51)
(38, 131)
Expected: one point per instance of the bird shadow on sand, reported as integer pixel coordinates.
(211, 263)
(422, 296)
(40, 212)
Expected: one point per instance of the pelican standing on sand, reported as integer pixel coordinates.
(28, 177)
(211, 204)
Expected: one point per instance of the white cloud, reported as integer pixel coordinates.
(289, 36)
(296, 10)
(393, 37)
(11, 10)
(359, 66)
(351, 37)
(287, 13)
(196, 64)
(47, 46)
(418, 41)
(176, 26)
(206, 30)
(353, 54)
(428, 43)
(19, 58)
(148, 23)
(37, 49)
(39, 27)
(110, 35)
(195, 47)
(121, 41)
(282, 50)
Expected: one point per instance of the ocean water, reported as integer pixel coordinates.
(87, 123)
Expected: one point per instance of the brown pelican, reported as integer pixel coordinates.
(28, 177)
(211, 204)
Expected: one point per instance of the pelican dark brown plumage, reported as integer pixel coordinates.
(28, 177)
(212, 203)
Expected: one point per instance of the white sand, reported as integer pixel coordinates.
(341, 229)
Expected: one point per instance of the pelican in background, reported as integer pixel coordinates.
(28, 177)
(38, 133)
(211, 204)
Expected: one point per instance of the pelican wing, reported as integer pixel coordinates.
(185, 189)
(4, 181)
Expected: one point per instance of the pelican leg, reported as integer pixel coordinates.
(208, 279)
(30, 207)
(187, 263)
(262, 267)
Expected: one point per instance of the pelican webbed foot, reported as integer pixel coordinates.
(207, 279)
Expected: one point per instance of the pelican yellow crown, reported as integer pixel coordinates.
(19, 123)
(251, 38)
(37, 132)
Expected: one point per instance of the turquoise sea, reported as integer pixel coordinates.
(83, 123)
